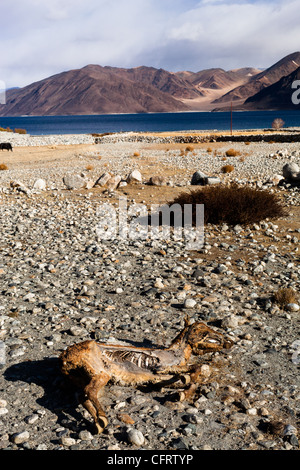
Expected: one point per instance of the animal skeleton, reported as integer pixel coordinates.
(91, 365)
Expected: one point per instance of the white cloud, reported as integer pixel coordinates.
(41, 38)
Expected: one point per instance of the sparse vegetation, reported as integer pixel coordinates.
(227, 168)
(278, 123)
(232, 153)
(89, 167)
(232, 204)
(285, 296)
(3, 167)
(20, 131)
(189, 148)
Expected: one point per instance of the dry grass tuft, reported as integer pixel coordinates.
(232, 153)
(232, 204)
(89, 167)
(285, 296)
(3, 167)
(278, 123)
(227, 168)
(20, 131)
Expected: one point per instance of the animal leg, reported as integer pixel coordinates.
(91, 402)
(195, 379)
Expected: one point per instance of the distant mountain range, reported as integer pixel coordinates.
(105, 90)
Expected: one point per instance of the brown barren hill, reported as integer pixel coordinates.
(277, 96)
(90, 90)
(94, 89)
(260, 81)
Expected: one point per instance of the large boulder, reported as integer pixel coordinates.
(213, 180)
(199, 179)
(74, 182)
(158, 181)
(113, 182)
(291, 172)
(134, 177)
(40, 184)
(103, 179)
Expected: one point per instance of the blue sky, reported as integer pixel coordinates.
(40, 38)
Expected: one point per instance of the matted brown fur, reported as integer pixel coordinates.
(90, 365)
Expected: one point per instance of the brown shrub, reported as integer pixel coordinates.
(227, 168)
(209, 150)
(232, 153)
(136, 154)
(89, 167)
(278, 123)
(20, 131)
(232, 204)
(3, 167)
(285, 296)
(189, 148)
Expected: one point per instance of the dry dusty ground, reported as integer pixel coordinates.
(47, 435)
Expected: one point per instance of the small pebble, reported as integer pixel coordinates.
(20, 437)
(135, 437)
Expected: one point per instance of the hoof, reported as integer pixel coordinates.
(101, 424)
(186, 379)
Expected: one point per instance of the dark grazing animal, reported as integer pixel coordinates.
(6, 146)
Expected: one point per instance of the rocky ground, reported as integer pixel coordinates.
(61, 283)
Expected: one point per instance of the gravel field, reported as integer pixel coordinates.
(61, 284)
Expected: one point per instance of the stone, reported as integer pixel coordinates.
(292, 307)
(135, 437)
(158, 181)
(199, 179)
(67, 441)
(231, 321)
(40, 184)
(85, 435)
(275, 179)
(291, 172)
(205, 370)
(113, 182)
(74, 182)
(2, 354)
(103, 179)
(20, 437)
(134, 177)
(190, 303)
(213, 180)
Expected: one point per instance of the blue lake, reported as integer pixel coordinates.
(164, 122)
